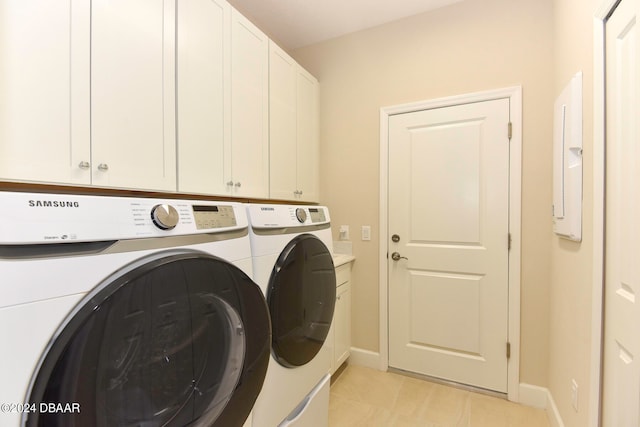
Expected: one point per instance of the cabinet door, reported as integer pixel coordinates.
(342, 319)
(308, 155)
(249, 108)
(133, 93)
(44, 82)
(204, 96)
(283, 72)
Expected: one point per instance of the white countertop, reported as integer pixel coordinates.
(341, 259)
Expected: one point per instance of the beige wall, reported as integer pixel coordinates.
(571, 263)
(471, 46)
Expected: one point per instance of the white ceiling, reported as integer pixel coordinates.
(297, 23)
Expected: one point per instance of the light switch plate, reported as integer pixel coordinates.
(366, 232)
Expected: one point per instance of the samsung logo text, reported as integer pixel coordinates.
(53, 204)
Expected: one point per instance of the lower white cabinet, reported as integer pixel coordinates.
(340, 333)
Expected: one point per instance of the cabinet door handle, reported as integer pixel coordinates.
(103, 167)
(238, 184)
(84, 165)
(230, 183)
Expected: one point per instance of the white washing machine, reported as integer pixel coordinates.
(292, 264)
(128, 311)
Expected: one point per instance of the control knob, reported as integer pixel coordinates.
(165, 217)
(301, 215)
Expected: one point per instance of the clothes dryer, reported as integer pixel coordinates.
(128, 311)
(293, 265)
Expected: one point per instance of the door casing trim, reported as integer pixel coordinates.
(596, 373)
(514, 94)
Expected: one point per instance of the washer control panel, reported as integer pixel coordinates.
(54, 218)
(214, 216)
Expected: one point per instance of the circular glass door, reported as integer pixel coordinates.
(178, 338)
(301, 298)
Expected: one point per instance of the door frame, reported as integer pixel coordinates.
(514, 94)
(599, 181)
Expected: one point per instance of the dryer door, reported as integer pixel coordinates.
(174, 339)
(301, 298)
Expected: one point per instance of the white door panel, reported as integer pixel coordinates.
(449, 205)
(621, 383)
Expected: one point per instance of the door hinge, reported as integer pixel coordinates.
(508, 350)
(509, 242)
(509, 130)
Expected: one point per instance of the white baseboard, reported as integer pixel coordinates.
(366, 358)
(533, 395)
(553, 414)
(540, 397)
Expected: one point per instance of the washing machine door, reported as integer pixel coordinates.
(301, 297)
(174, 339)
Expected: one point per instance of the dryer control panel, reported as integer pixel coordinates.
(54, 218)
(286, 216)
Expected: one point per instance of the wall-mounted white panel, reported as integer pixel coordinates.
(567, 161)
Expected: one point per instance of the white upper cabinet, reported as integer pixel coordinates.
(223, 93)
(204, 96)
(88, 92)
(282, 123)
(44, 91)
(249, 174)
(133, 93)
(153, 95)
(293, 128)
(308, 136)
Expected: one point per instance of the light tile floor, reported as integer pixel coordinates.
(367, 397)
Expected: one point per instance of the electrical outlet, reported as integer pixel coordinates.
(344, 232)
(574, 394)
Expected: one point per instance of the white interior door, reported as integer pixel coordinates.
(621, 383)
(449, 208)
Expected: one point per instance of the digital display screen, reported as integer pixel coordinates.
(209, 217)
(317, 215)
(197, 208)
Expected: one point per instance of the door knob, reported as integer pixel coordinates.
(397, 257)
